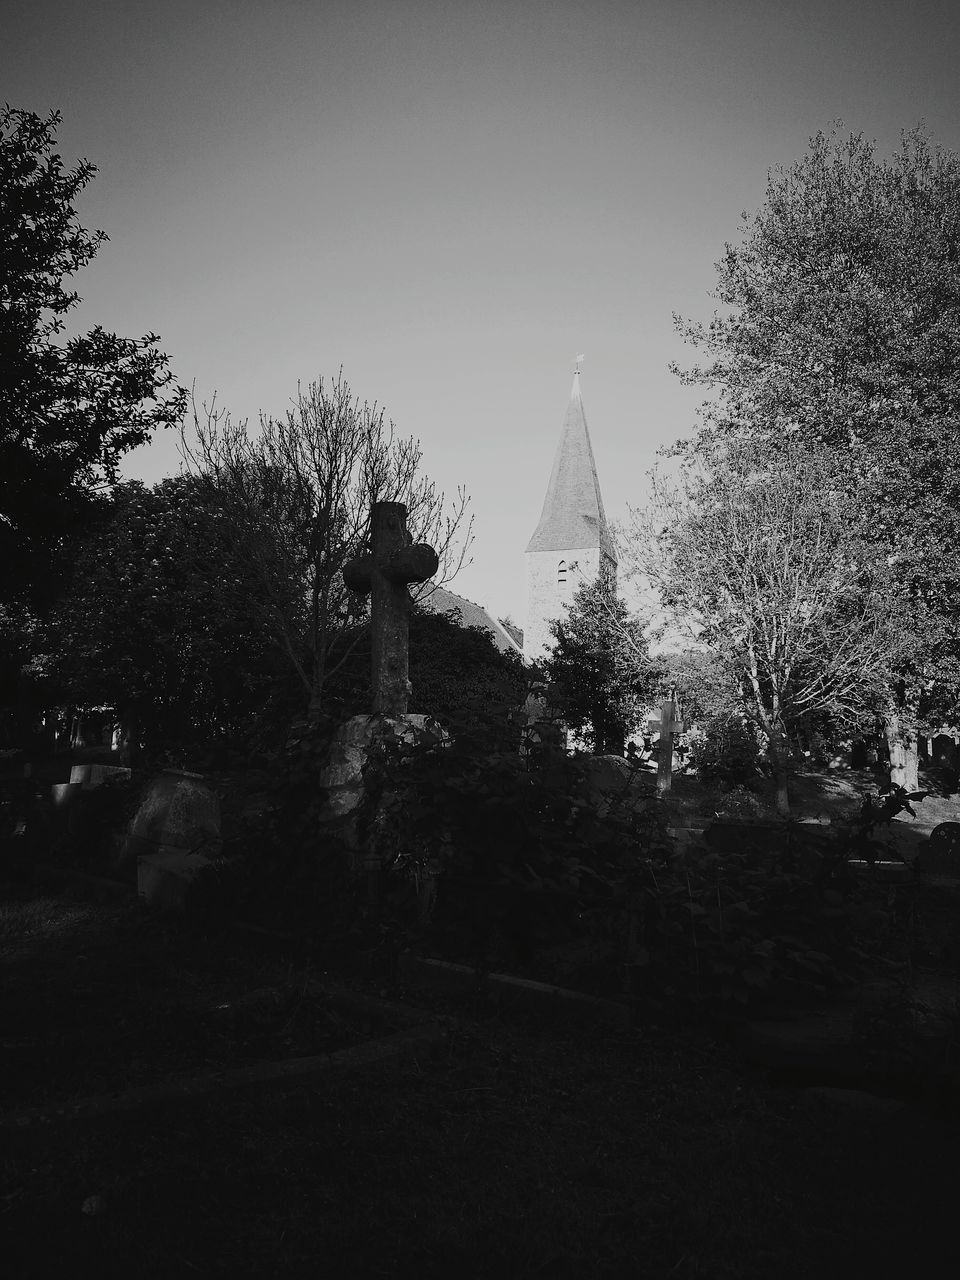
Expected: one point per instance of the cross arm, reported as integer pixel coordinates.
(416, 563)
(358, 574)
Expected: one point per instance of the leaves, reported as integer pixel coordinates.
(299, 494)
(839, 331)
(157, 618)
(600, 671)
(69, 410)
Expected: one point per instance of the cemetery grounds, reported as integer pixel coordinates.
(508, 1142)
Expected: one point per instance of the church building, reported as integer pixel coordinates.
(572, 543)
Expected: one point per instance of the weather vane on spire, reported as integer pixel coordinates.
(579, 365)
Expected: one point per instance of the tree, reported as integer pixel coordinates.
(600, 672)
(762, 563)
(457, 673)
(157, 620)
(69, 409)
(300, 495)
(703, 687)
(840, 328)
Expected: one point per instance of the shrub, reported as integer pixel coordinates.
(728, 755)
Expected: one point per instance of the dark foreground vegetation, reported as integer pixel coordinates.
(526, 1146)
(526, 1143)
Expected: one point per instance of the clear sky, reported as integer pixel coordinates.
(452, 200)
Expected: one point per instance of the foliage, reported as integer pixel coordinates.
(157, 620)
(726, 754)
(752, 923)
(510, 858)
(300, 495)
(702, 686)
(69, 409)
(600, 672)
(839, 328)
(515, 836)
(453, 670)
(863, 840)
(514, 860)
(760, 560)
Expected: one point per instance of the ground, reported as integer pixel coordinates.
(818, 795)
(522, 1146)
(525, 1148)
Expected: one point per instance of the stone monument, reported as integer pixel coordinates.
(384, 573)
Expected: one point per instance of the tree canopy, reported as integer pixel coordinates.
(70, 407)
(599, 671)
(839, 328)
(300, 494)
(763, 563)
(157, 620)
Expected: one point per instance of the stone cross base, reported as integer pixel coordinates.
(342, 775)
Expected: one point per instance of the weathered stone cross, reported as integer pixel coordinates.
(391, 563)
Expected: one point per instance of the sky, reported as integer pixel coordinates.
(451, 200)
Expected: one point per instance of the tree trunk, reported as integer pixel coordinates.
(903, 747)
(779, 751)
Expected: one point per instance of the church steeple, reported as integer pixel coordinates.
(572, 543)
(573, 517)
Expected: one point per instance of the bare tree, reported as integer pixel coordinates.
(757, 557)
(300, 494)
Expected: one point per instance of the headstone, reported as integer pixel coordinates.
(665, 761)
(174, 833)
(941, 854)
(91, 776)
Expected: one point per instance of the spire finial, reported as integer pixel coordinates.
(579, 364)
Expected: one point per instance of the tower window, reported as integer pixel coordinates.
(562, 573)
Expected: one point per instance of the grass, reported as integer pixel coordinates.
(97, 999)
(527, 1148)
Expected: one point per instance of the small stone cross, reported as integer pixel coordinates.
(391, 563)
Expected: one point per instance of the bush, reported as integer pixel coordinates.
(521, 852)
(531, 872)
(728, 755)
(502, 854)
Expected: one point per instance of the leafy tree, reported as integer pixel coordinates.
(839, 327)
(457, 673)
(762, 563)
(703, 688)
(69, 408)
(599, 671)
(157, 620)
(300, 495)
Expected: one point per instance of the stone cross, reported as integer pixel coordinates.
(385, 571)
(665, 762)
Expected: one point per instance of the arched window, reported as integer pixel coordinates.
(562, 573)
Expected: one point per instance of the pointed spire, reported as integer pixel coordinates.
(573, 515)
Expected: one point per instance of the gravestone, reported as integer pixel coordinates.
(173, 835)
(665, 759)
(384, 573)
(936, 903)
(941, 854)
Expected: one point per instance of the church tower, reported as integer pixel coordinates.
(571, 544)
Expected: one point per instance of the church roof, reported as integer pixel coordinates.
(573, 515)
(440, 600)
